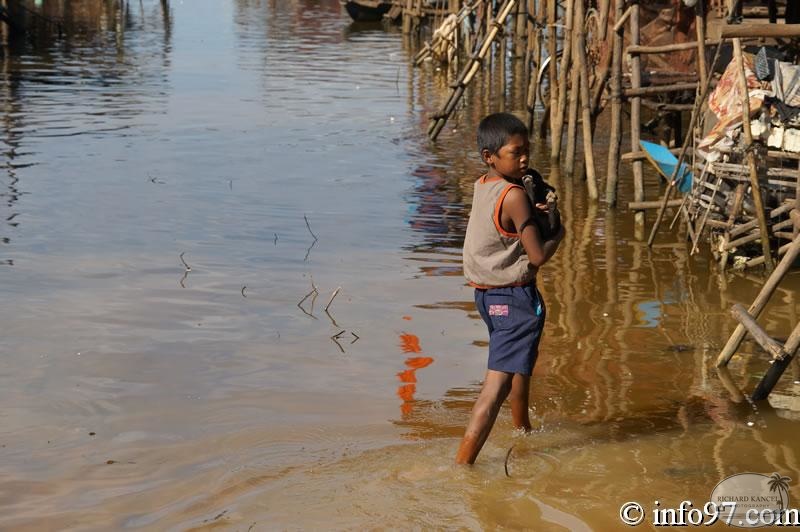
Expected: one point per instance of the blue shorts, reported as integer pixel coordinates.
(515, 317)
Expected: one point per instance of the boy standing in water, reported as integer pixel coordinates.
(503, 251)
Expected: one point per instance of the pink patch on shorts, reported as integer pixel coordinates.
(498, 310)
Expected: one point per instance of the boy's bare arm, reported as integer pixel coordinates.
(518, 209)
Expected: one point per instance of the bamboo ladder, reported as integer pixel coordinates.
(439, 120)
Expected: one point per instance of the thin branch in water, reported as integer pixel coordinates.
(335, 341)
(314, 292)
(356, 337)
(243, 291)
(308, 251)
(188, 268)
(335, 293)
(185, 275)
(309, 228)
(339, 334)
(276, 239)
(505, 464)
(333, 320)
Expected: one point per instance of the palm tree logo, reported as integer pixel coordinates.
(780, 484)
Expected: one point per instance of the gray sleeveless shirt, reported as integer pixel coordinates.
(493, 257)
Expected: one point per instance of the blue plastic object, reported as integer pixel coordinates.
(664, 161)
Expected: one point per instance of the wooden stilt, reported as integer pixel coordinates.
(552, 51)
(615, 142)
(700, 26)
(751, 157)
(561, 86)
(586, 104)
(520, 26)
(572, 120)
(535, 44)
(777, 368)
(407, 11)
(636, 116)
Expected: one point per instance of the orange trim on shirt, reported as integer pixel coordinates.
(486, 179)
(497, 208)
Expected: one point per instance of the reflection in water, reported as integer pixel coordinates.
(409, 343)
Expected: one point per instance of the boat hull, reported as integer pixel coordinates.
(367, 11)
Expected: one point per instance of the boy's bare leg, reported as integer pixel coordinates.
(520, 391)
(495, 389)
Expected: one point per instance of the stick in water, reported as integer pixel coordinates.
(335, 293)
(188, 268)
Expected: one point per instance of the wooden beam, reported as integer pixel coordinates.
(623, 19)
(666, 48)
(660, 89)
(759, 335)
(760, 30)
(639, 205)
(777, 368)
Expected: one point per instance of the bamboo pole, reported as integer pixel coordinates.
(520, 25)
(572, 120)
(636, 116)
(639, 205)
(659, 89)
(777, 368)
(749, 31)
(440, 119)
(751, 157)
(586, 104)
(409, 6)
(760, 302)
(757, 332)
(667, 48)
(533, 85)
(622, 19)
(566, 52)
(615, 142)
(552, 50)
(700, 26)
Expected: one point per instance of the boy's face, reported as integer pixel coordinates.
(511, 160)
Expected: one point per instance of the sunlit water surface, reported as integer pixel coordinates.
(281, 151)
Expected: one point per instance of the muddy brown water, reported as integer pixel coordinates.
(138, 395)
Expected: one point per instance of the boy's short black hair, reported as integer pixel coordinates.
(494, 130)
